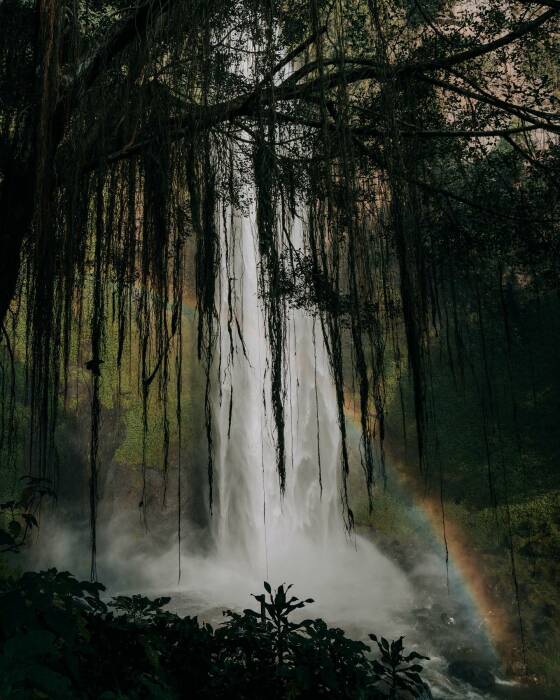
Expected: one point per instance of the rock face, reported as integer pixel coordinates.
(470, 672)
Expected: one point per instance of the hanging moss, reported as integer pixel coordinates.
(126, 129)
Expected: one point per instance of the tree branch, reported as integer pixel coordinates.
(478, 51)
(542, 3)
(372, 70)
(124, 33)
(512, 109)
(201, 117)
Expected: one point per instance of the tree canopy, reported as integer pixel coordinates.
(417, 140)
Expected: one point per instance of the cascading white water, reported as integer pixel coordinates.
(258, 534)
(300, 537)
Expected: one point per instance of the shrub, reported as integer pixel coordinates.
(59, 639)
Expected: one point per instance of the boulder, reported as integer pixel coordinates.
(470, 672)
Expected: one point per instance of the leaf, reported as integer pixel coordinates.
(15, 528)
(6, 540)
(414, 677)
(161, 602)
(416, 668)
(53, 684)
(30, 644)
(416, 655)
(403, 683)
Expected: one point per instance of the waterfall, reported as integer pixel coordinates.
(255, 533)
(258, 534)
(252, 517)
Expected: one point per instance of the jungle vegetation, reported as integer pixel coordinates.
(418, 141)
(61, 640)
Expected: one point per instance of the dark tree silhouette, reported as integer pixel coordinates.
(124, 128)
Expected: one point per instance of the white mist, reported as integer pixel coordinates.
(300, 537)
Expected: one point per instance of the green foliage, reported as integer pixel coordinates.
(397, 670)
(17, 516)
(506, 433)
(42, 628)
(59, 639)
(138, 608)
(277, 610)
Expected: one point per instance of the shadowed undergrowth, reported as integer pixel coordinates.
(59, 639)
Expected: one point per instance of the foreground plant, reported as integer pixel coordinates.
(60, 640)
(398, 670)
(18, 516)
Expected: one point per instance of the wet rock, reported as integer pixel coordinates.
(518, 669)
(529, 550)
(447, 619)
(547, 610)
(473, 674)
(543, 630)
(524, 528)
(422, 615)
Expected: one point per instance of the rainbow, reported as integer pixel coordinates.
(426, 512)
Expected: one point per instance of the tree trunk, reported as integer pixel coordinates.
(16, 214)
